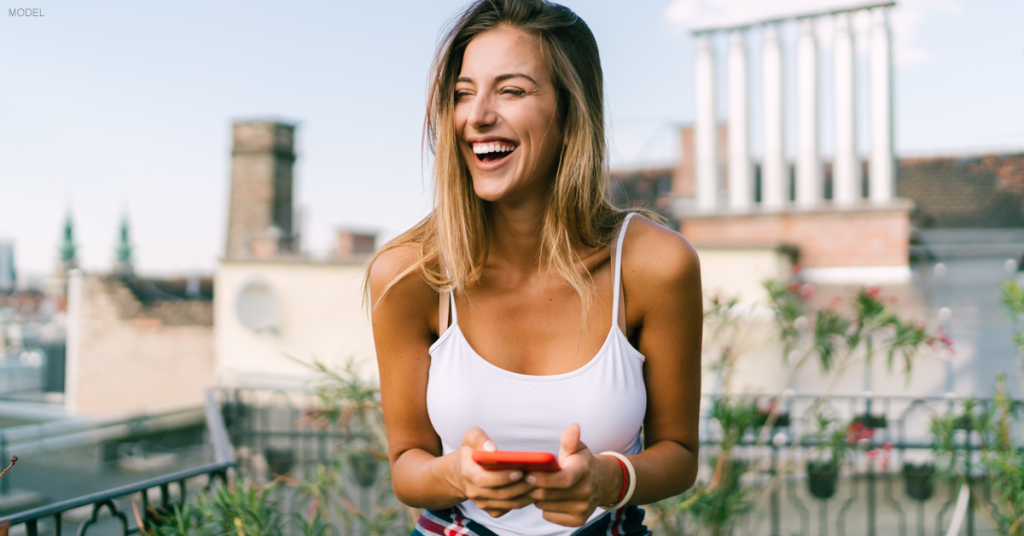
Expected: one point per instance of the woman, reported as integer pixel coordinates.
(526, 313)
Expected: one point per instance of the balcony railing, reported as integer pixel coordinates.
(881, 489)
(874, 495)
(52, 515)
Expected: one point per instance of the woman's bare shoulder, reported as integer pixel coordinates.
(659, 255)
(395, 278)
(391, 263)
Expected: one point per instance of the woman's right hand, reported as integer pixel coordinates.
(495, 492)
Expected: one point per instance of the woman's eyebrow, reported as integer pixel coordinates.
(500, 78)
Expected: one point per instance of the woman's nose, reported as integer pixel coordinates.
(482, 113)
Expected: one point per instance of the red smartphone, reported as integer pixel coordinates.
(540, 462)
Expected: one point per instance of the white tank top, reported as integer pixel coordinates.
(606, 397)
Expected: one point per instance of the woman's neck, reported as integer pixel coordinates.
(515, 235)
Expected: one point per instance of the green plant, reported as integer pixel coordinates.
(1013, 300)
(725, 330)
(1002, 459)
(716, 507)
(237, 508)
(831, 440)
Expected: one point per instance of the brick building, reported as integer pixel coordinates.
(940, 202)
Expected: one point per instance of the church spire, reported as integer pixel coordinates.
(123, 253)
(68, 249)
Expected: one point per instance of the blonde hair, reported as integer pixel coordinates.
(452, 241)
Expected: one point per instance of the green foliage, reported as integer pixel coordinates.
(838, 337)
(1003, 461)
(830, 330)
(735, 415)
(1013, 300)
(719, 510)
(238, 508)
(906, 339)
(327, 498)
(787, 306)
(831, 439)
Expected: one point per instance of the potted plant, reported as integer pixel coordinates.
(772, 414)
(871, 421)
(279, 460)
(832, 441)
(735, 415)
(918, 479)
(364, 467)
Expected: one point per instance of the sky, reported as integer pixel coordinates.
(118, 108)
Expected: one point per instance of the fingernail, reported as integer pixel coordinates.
(531, 479)
(489, 446)
(515, 475)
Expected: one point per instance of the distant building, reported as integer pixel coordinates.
(275, 305)
(124, 264)
(8, 274)
(67, 259)
(260, 210)
(137, 343)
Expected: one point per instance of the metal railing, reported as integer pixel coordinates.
(867, 498)
(890, 485)
(223, 460)
(271, 432)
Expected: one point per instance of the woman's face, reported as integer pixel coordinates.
(506, 116)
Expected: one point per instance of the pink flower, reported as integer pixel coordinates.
(944, 338)
(806, 291)
(873, 292)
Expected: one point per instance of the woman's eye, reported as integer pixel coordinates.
(513, 91)
(461, 95)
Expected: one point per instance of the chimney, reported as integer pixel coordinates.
(262, 158)
(354, 246)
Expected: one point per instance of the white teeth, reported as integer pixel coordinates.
(484, 148)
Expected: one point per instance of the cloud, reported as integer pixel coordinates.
(906, 18)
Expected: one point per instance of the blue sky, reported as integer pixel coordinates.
(112, 107)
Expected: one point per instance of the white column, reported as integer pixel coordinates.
(774, 178)
(882, 186)
(809, 179)
(706, 142)
(741, 171)
(846, 177)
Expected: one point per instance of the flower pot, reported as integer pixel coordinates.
(873, 422)
(781, 419)
(279, 460)
(364, 468)
(822, 478)
(918, 480)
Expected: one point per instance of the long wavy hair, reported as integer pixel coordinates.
(452, 241)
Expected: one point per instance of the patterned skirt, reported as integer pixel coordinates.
(626, 521)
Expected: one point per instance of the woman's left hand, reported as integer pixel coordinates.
(586, 481)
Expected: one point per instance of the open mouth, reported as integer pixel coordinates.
(493, 151)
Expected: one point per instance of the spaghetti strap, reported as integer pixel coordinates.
(455, 314)
(618, 269)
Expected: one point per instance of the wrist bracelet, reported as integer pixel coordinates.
(625, 463)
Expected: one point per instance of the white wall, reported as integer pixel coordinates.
(321, 318)
(740, 272)
(130, 364)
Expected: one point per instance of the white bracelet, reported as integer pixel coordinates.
(632, 481)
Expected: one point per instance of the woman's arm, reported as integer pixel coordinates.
(404, 326)
(662, 283)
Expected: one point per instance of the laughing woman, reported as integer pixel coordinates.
(526, 313)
